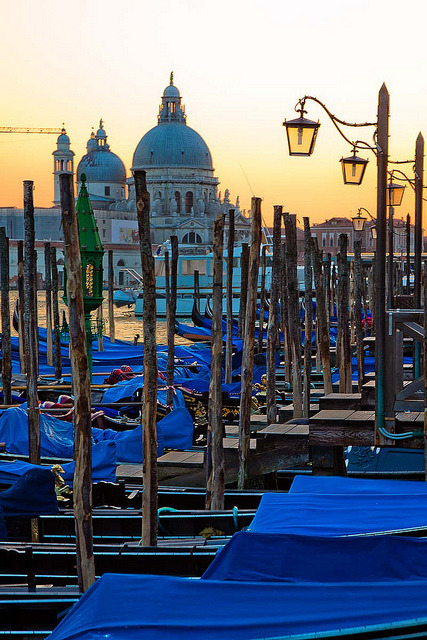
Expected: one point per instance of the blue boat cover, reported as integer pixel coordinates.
(104, 465)
(339, 484)
(33, 494)
(273, 557)
(174, 431)
(125, 607)
(56, 436)
(339, 514)
(385, 459)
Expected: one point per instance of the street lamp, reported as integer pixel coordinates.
(395, 193)
(353, 168)
(302, 134)
(380, 149)
(359, 222)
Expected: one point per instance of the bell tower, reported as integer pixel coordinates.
(63, 161)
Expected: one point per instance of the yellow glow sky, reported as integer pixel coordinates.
(240, 65)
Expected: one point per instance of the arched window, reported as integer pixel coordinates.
(178, 201)
(188, 201)
(192, 238)
(121, 263)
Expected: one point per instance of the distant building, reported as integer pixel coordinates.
(184, 200)
(327, 234)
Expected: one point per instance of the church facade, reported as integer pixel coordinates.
(184, 198)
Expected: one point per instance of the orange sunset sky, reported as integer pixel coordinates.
(240, 65)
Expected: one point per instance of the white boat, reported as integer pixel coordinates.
(187, 265)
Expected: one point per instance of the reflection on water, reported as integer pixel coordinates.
(126, 325)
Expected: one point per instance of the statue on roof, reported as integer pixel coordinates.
(171, 77)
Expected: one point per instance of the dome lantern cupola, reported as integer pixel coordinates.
(105, 171)
(63, 161)
(101, 137)
(171, 109)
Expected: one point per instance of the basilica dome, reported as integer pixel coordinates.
(100, 164)
(172, 143)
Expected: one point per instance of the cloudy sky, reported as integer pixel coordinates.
(240, 65)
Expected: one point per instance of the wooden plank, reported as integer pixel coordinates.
(343, 434)
(332, 415)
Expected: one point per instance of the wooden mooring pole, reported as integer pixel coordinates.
(425, 371)
(343, 316)
(323, 338)
(244, 271)
(57, 359)
(358, 290)
(262, 298)
(197, 288)
(284, 317)
(249, 345)
(171, 316)
(272, 329)
(111, 325)
(229, 295)
(293, 311)
(308, 323)
(215, 470)
(150, 474)
(82, 483)
(30, 332)
(6, 364)
(21, 307)
(48, 291)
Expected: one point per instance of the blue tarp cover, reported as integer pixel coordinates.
(337, 484)
(174, 431)
(103, 466)
(273, 557)
(33, 494)
(125, 607)
(339, 514)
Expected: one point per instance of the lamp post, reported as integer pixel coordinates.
(395, 193)
(408, 254)
(298, 133)
(359, 222)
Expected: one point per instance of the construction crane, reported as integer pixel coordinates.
(31, 130)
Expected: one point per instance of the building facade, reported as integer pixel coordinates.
(184, 199)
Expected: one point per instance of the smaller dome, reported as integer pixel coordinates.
(171, 92)
(102, 167)
(63, 138)
(91, 143)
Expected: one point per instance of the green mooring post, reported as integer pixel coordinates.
(91, 252)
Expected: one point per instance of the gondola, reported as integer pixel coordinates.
(208, 309)
(196, 316)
